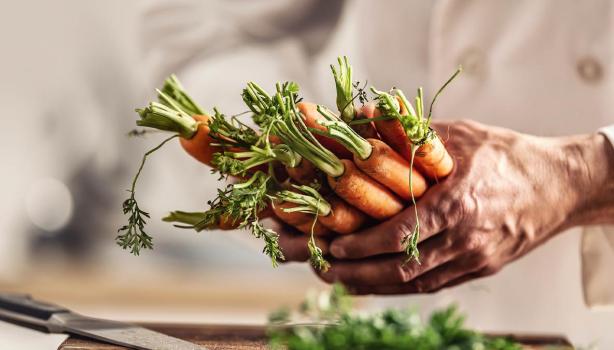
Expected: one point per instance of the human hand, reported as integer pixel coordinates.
(508, 194)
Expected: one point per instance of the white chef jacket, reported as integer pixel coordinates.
(540, 67)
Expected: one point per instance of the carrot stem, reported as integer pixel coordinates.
(343, 133)
(310, 201)
(343, 83)
(162, 117)
(175, 91)
(280, 115)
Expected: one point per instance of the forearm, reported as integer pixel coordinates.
(591, 170)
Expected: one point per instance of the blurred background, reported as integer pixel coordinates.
(73, 72)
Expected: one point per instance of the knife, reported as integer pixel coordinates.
(24, 311)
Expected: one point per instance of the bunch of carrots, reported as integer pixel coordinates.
(320, 171)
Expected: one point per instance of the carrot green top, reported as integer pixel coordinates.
(345, 89)
(278, 115)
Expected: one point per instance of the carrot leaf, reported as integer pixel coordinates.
(278, 115)
(133, 236)
(343, 133)
(232, 132)
(173, 89)
(345, 89)
(240, 202)
(163, 117)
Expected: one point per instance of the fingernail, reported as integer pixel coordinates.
(328, 276)
(337, 250)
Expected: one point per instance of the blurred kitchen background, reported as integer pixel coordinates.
(72, 73)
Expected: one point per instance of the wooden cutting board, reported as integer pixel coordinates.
(217, 337)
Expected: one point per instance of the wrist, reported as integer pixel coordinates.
(590, 166)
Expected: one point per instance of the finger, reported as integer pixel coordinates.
(484, 272)
(294, 247)
(429, 282)
(394, 269)
(437, 211)
(372, 271)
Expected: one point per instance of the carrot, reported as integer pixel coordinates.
(434, 160)
(343, 218)
(283, 210)
(332, 212)
(431, 158)
(366, 130)
(200, 145)
(316, 227)
(281, 115)
(375, 158)
(310, 116)
(390, 169)
(364, 192)
(425, 146)
(390, 130)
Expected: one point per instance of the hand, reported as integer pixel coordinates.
(508, 194)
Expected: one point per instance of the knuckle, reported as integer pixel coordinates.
(400, 231)
(475, 242)
(402, 272)
(419, 286)
(465, 205)
(407, 271)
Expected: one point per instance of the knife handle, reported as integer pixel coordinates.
(25, 311)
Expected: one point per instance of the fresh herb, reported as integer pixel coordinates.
(331, 326)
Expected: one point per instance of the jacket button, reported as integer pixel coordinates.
(589, 69)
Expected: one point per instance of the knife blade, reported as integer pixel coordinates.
(22, 310)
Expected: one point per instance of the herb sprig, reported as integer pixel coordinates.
(331, 326)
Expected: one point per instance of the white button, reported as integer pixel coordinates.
(589, 69)
(473, 61)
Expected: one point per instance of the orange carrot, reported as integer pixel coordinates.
(390, 130)
(375, 158)
(199, 145)
(433, 159)
(390, 169)
(343, 218)
(288, 123)
(318, 228)
(293, 218)
(425, 146)
(364, 192)
(300, 220)
(310, 117)
(366, 130)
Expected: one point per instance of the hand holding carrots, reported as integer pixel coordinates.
(508, 194)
